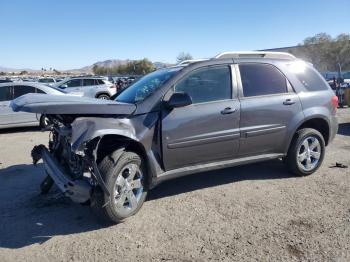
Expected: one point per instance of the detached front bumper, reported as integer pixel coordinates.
(78, 190)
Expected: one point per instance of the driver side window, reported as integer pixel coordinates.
(207, 84)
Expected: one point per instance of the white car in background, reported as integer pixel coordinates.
(346, 77)
(95, 87)
(47, 80)
(12, 90)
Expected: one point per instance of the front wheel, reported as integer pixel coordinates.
(125, 178)
(306, 152)
(44, 121)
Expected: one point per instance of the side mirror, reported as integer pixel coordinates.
(63, 86)
(179, 100)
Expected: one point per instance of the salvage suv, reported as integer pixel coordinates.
(233, 109)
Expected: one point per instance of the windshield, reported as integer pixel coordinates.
(146, 86)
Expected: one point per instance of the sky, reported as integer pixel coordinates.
(71, 34)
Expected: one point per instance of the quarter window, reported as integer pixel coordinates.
(262, 79)
(207, 84)
(22, 90)
(100, 82)
(311, 80)
(39, 91)
(5, 93)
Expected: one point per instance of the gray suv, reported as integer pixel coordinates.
(233, 109)
(96, 87)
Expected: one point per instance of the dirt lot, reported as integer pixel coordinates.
(257, 212)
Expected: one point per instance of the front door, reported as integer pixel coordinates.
(74, 87)
(208, 130)
(268, 107)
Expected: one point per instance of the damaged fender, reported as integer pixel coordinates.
(142, 129)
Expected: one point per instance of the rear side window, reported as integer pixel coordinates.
(262, 79)
(89, 82)
(5, 93)
(207, 84)
(311, 80)
(22, 90)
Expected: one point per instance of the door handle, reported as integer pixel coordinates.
(288, 102)
(228, 110)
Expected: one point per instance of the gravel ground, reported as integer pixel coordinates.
(256, 212)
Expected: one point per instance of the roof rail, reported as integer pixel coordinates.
(256, 54)
(187, 62)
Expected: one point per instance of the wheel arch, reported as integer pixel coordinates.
(318, 123)
(102, 93)
(109, 143)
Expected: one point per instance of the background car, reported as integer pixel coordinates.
(95, 87)
(346, 77)
(47, 80)
(6, 80)
(12, 90)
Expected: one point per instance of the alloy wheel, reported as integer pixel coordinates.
(309, 153)
(128, 189)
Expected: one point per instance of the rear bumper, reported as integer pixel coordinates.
(78, 190)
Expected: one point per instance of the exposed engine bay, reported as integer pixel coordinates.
(76, 175)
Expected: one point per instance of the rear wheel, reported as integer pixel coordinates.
(103, 96)
(125, 178)
(306, 152)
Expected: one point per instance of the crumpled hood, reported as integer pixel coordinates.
(66, 104)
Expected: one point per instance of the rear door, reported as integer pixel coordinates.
(207, 130)
(90, 86)
(268, 106)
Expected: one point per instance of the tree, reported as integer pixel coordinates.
(326, 52)
(137, 67)
(183, 56)
(56, 72)
(24, 72)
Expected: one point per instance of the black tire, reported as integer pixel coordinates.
(46, 185)
(43, 122)
(291, 160)
(103, 96)
(111, 166)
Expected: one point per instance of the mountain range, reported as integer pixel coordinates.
(86, 69)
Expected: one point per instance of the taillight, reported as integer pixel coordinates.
(113, 86)
(335, 102)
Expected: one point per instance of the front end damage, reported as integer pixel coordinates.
(74, 174)
(78, 190)
(76, 126)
